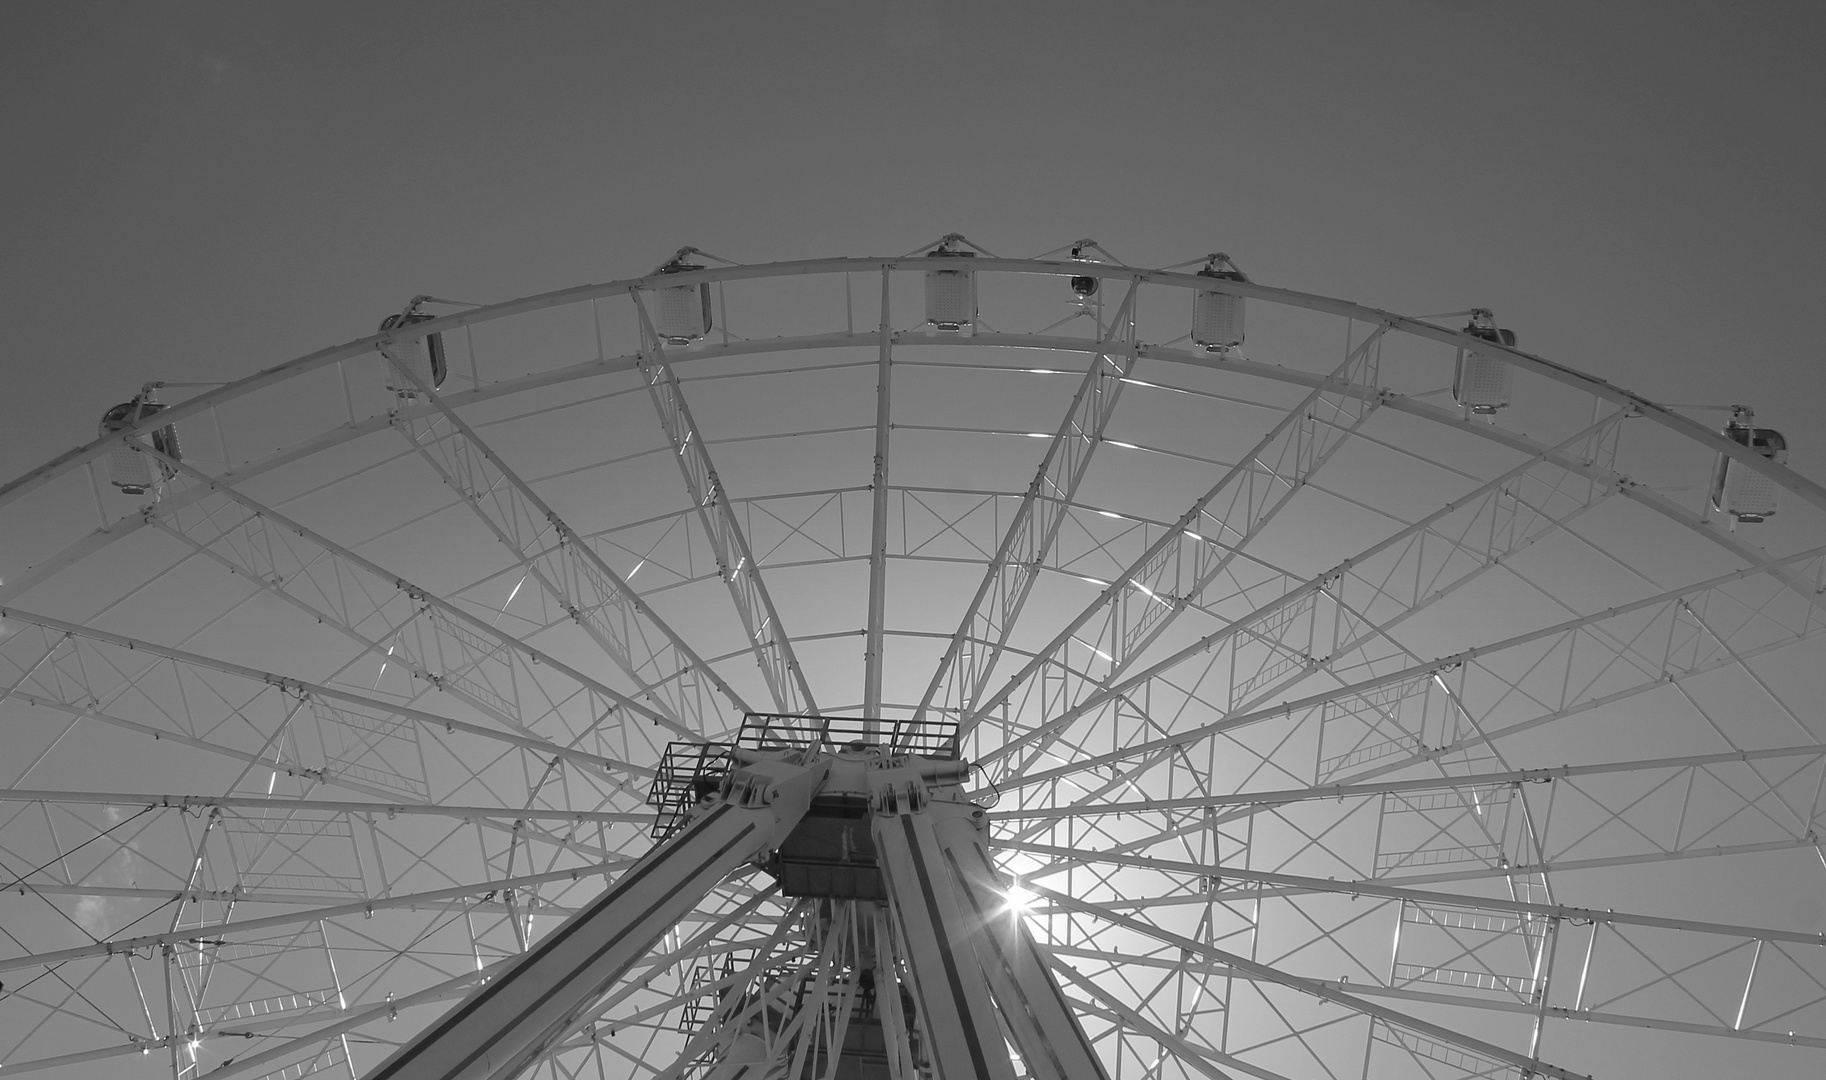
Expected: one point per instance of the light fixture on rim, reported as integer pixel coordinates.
(951, 293)
(422, 356)
(1738, 490)
(129, 470)
(1083, 286)
(1481, 382)
(681, 313)
(1217, 317)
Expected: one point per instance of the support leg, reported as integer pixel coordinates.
(964, 1040)
(506, 1024)
(1042, 1023)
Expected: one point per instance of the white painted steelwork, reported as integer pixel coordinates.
(1340, 713)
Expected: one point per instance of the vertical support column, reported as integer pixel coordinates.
(953, 997)
(171, 1010)
(878, 523)
(1543, 982)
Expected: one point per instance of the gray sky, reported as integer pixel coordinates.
(198, 190)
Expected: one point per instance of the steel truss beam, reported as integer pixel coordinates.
(295, 851)
(1317, 989)
(1638, 646)
(465, 813)
(1465, 947)
(393, 620)
(74, 695)
(1387, 787)
(351, 1019)
(1204, 1059)
(1031, 533)
(736, 563)
(265, 843)
(878, 516)
(570, 571)
(1164, 577)
(1276, 623)
(1295, 883)
(120, 946)
(1590, 1016)
(1289, 458)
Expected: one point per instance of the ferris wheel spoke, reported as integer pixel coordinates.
(1314, 987)
(1289, 668)
(296, 853)
(1393, 721)
(1488, 528)
(255, 468)
(1325, 423)
(1269, 1025)
(67, 997)
(1305, 622)
(1584, 462)
(206, 933)
(1780, 1036)
(1030, 536)
(327, 1046)
(1179, 564)
(1476, 864)
(735, 559)
(1205, 1060)
(439, 809)
(1732, 770)
(1195, 994)
(1509, 824)
(1499, 953)
(877, 612)
(1214, 884)
(1251, 1023)
(259, 718)
(396, 622)
(1622, 652)
(569, 572)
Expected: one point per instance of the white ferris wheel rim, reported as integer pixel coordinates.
(1117, 1013)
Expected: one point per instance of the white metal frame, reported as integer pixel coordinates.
(1208, 693)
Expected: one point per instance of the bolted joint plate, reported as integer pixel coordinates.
(783, 782)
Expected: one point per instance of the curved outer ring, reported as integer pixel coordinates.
(1780, 474)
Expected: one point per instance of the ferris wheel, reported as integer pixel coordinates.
(941, 665)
